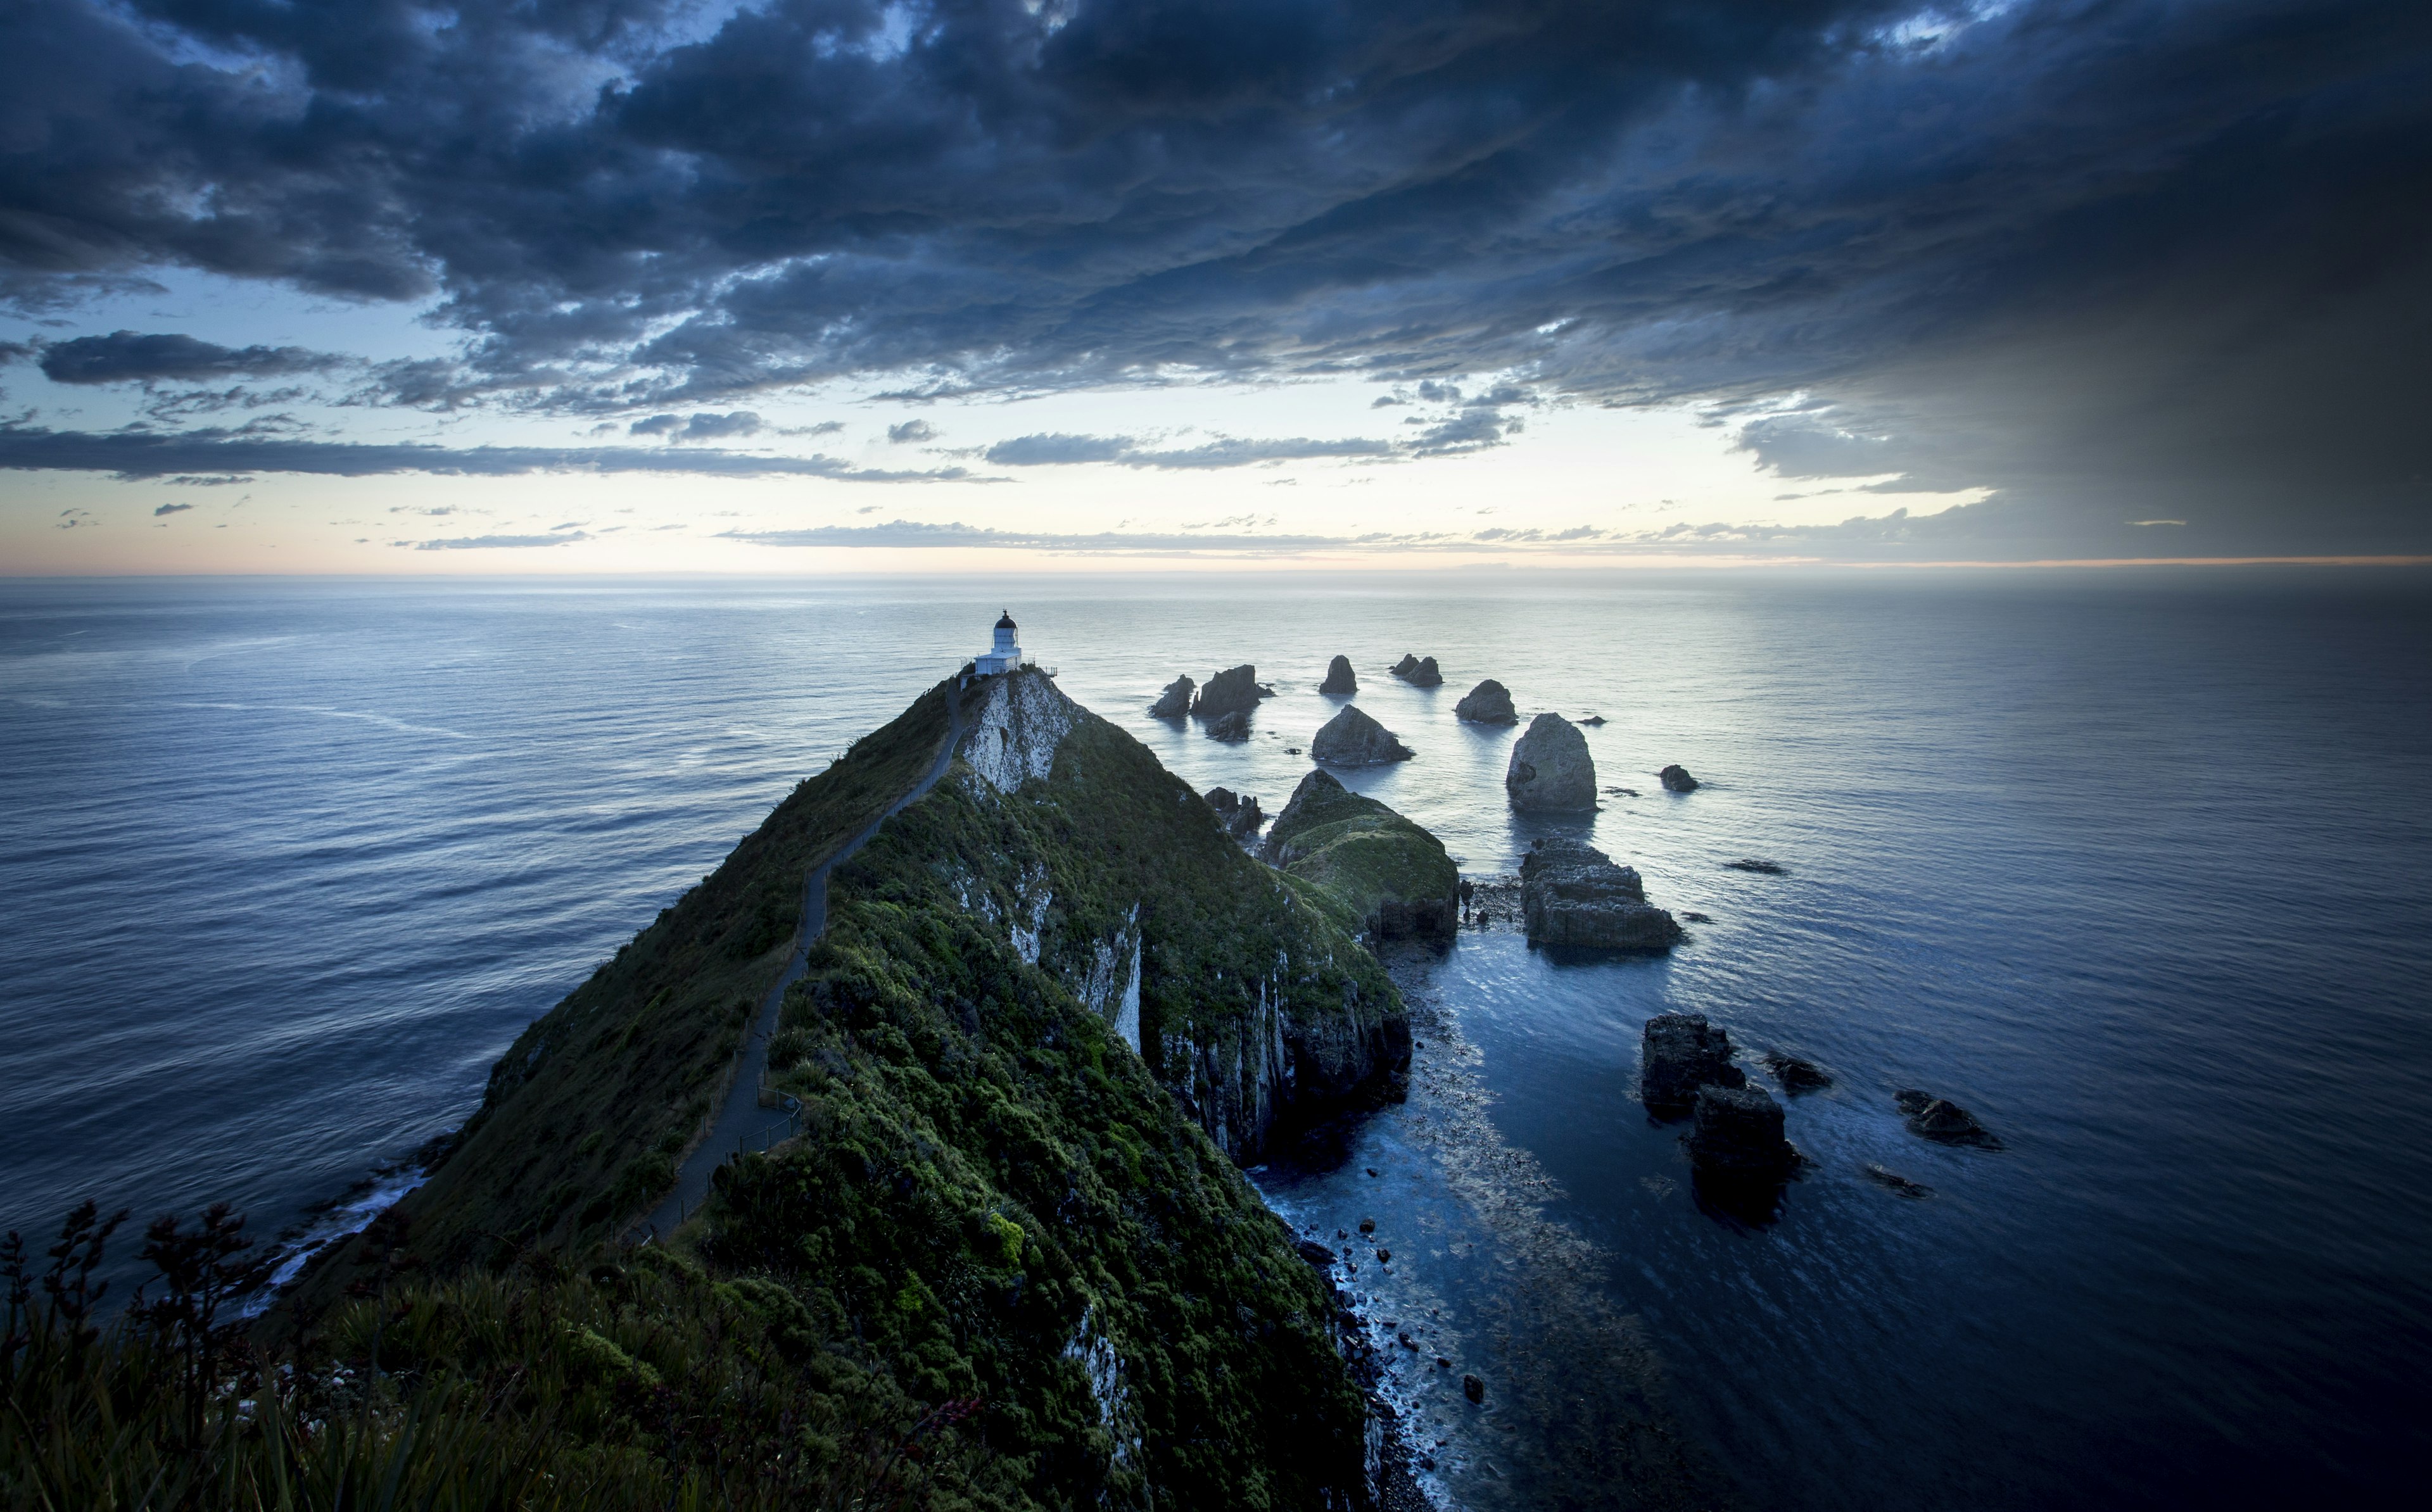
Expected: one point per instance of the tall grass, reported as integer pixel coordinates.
(649, 1388)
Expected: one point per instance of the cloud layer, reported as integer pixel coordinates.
(2117, 259)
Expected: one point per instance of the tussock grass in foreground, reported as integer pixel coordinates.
(634, 1387)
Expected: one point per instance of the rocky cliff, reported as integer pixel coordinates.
(1247, 1003)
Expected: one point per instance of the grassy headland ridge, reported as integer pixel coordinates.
(1007, 1262)
(1375, 871)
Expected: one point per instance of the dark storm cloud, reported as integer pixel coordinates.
(135, 454)
(134, 356)
(2117, 259)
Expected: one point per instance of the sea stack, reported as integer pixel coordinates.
(1235, 690)
(1489, 703)
(1175, 701)
(1353, 739)
(1339, 682)
(1234, 726)
(1418, 671)
(1550, 766)
(1737, 1141)
(1572, 894)
(1679, 1053)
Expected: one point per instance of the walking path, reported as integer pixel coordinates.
(742, 1123)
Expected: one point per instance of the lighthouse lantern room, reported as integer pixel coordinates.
(1003, 656)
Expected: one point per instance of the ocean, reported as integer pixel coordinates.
(2135, 865)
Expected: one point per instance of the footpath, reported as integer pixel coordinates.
(742, 1124)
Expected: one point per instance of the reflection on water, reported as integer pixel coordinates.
(1484, 1282)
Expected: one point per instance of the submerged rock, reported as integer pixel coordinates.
(1353, 739)
(1762, 868)
(1942, 1119)
(1681, 1052)
(1794, 1073)
(1175, 701)
(1489, 703)
(1738, 1136)
(1572, 894)
(1419, 671)
(1474, 1388)
(1234, 726)
(1676, 778)
(1235, 690)
(1378, 872)
(1550, 766)
(1592, 719)
(1240, 814)
(1898, 1183)
(1339, 679)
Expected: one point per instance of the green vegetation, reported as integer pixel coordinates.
(1003, 1264)
(589, 1110)
(638, 1386)
(1374, 870)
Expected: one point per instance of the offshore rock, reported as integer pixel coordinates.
(1418, 671)
(1233, 727)
(1738, 1137)
(1379, 873)
(1939, 1119)
(1353, 739)
(1175, 701)
(1572, 894)
(1235, 690)
(1489, 703)
(1794, 1073)
(1550, 766)
(1240, 814)
(1339, 679)
(1681, 1052)
(1676, 778)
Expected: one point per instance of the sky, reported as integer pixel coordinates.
(625, 285)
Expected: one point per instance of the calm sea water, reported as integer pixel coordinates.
(2137, 868)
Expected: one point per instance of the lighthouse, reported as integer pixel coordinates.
(1003, 656)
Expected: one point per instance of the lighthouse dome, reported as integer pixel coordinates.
(1005, 655)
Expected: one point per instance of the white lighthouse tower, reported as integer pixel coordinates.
(1003, 656)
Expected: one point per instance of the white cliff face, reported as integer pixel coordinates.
(1095, 1353)
(1111, 987)
(1013, 735)
(1027, 927)
(1127, 1013)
